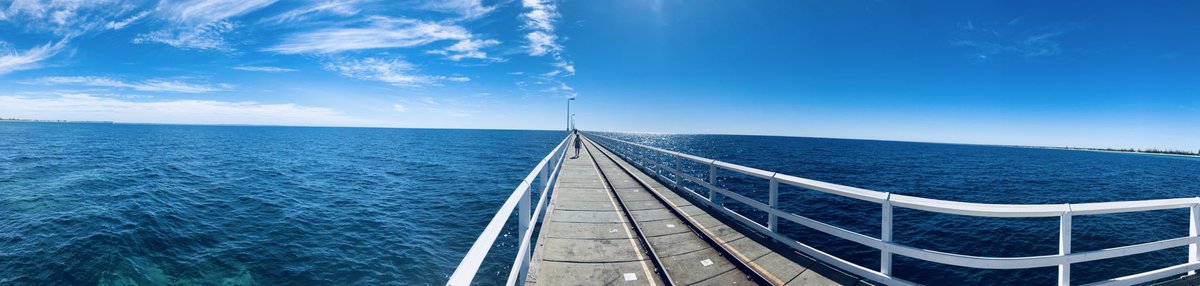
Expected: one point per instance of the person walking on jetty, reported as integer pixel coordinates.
(578, 143)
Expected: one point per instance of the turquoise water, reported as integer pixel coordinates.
(102, 204)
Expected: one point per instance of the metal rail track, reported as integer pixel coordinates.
(751, 273)
(658, 266)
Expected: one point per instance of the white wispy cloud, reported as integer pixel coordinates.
(199, 24)
(1042, 44)
(380, 32)
(542, 43)
(12, 60)
(264, 69)
(467, 49)
(117, 25)
(563, 64)
(467, 9)
(541, 15)
(540, 19)
(75, 106)
(336, 7)
(399, 107)
(393, 71)
(208, 11)
(154, 85)
(64, 17)
(202, 37)
(987, 41)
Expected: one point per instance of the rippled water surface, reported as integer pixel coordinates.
(970, 173)
(102, 204)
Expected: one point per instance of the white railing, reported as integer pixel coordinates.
(545, 172)
(633, 152)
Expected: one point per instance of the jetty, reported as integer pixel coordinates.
(622, 213)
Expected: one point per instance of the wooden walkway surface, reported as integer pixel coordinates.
(586, 238)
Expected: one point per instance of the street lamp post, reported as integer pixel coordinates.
(569, 112)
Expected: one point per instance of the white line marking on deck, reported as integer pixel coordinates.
(630, 276)
(612, 231)
(612, 200)
(706, 262)
(670, 225)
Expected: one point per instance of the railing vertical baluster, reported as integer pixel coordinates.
(1064, 247)
(773, 201)
(1194, 227)
(885, 234)
(523, 225)
(678, 168)
(712, 180)
(542, 176)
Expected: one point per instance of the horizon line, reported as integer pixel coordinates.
(1077, 148)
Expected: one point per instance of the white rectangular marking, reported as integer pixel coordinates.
(706, 262)
(630, 276)
(612, 231)
(670, 225)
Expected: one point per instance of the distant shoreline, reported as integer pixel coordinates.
(1124, 151)
(50, 121)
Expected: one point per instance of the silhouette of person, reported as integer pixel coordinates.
(578, 144)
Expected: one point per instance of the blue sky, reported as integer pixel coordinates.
(1079, 73)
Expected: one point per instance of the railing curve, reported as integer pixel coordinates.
(545, 172)
(1065, 212)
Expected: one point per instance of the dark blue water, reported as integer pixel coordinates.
(970, 173)
(97, 204)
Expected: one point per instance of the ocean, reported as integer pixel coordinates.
(105, 204)
(968, 173)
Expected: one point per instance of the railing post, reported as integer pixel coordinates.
(773, 201)
(523, 225)
(1194, 223)
(713, 196)
(1064, 247)
(885, 234)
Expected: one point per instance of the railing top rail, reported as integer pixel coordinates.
(470, 263)
(936, 205)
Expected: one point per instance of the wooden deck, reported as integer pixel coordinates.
(586, 238)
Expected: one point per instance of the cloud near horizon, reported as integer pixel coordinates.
(264, 69)
(153, 85)
(86, 107)
(394, 71)
(194, 51)
(379, 32)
